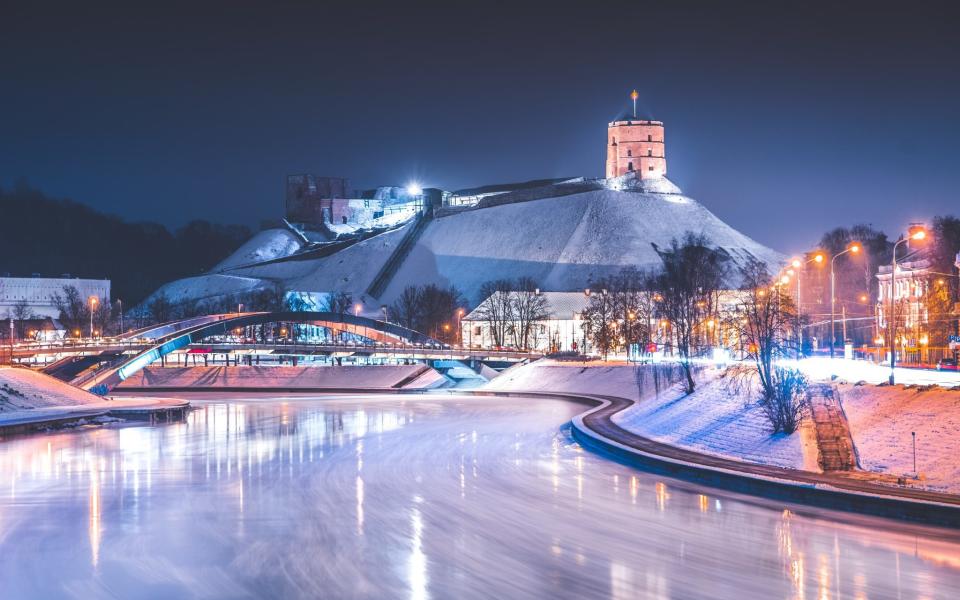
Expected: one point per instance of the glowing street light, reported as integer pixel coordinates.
(414, 189)
(93, 306)
(852, 248)
(798, 265)
(356, 310)
(915, 232)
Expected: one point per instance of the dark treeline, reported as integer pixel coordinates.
(53, 237)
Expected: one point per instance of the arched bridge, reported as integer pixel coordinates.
(171, 337)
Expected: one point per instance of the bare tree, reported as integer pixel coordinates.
(74, 313)
(529, 307)
(497, 309)
(405, 309)
(688, 287)
(764, 320)
(20, 313)
(599, 321)
(161, 308)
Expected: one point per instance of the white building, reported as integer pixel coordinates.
(39, 293)
(557, 333)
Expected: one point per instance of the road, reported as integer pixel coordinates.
(414, 497)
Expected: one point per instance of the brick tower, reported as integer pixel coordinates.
(635, 144)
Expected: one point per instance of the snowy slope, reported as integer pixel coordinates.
(564, 243)
(711, 420)
(265, 245)
(881, 421)
(24, 389)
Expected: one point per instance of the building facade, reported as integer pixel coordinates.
(910, 304)
(561, 331)
(636, 145)
(38, 294)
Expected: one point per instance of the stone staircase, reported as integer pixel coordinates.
(837, 452)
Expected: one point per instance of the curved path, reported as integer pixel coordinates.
(432, 496)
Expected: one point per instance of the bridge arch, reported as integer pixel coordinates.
(184, 333)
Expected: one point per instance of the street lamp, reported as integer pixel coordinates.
(356, 310)
(798, 265)
(460, 326)
(93, 306)
(852, 248)
(915, 233)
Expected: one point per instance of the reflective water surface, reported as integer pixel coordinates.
(413, 498)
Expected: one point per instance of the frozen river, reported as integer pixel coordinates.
(413, 498)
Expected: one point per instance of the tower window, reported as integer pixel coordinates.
(649, 152)
(650, 168)
(630, 166)
(649, 138)
(614, 142)
(629, 152)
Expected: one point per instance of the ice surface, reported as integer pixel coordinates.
(414, 498)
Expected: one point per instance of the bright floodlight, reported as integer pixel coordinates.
(414, 189)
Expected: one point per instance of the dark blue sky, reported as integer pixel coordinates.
(784, 121)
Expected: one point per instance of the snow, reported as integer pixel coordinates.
(564, 243)
(881, 419)
(712, 420)
(265, 245)
(23, 389)
(381, 376)
(854, 371)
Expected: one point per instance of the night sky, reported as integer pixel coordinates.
(783, 121)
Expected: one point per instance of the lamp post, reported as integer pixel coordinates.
(120, 304)
(915, 233)
(93, 306)
(460, 326)
(798, 266)
(853, 248)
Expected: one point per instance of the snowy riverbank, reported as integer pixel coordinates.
(712, 420)
(882, 418)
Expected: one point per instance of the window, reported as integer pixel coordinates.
(614, 142)
(650, 168)
(649, 152)
(344, 219)
(629, 152)
(649, 138)
(630, 166)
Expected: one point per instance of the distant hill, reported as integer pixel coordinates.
(564, 236)
(52, 237)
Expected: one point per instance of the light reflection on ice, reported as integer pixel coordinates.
(386, 499)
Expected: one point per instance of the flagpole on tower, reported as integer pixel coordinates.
(633, 96)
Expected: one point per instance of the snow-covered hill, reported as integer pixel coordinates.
(563, 242)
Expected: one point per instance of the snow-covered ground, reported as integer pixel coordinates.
(712, 420)
(386, 376)
(23, 389)
(854, 371)
(265, 245)
(564, 243)
(882, 418)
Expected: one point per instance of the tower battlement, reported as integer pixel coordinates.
(635, 144)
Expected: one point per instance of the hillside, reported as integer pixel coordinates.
(563, 242)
